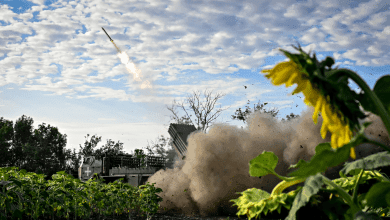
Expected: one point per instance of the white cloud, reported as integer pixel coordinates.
(313, 35)
(169, 35)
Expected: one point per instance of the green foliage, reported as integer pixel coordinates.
(333, 84)
(263, 164)
(243, 115)
(43, 150)
(36, 150)
(25, 194)
(373, 161)
(325, 157)
(379, 195)
(140, 154)
(255, 202)
(6, 134)
(311, 187)
(381, 90)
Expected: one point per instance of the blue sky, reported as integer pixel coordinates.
(57, 66)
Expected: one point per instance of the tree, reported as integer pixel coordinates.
(35, 150)
(89, 146)
(6, 134)
(23, 132)
(73, 161)
(110, 148)
(45, 151)
(163, 146)
(243, 115)
(291, 116)
(107, 150)
(201, 110)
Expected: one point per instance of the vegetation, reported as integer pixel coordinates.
(243, 115)
(327, 90)
(26, 195)
(202, 110)
(43, 151)
(44, 165)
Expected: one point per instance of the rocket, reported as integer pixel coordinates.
(119, 51)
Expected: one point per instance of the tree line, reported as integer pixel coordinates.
(43, 150)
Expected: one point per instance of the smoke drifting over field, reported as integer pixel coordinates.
(217, 163)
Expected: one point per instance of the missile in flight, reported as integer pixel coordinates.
(107, 34)
(119, 51)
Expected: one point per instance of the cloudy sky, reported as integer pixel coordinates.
(58, 67)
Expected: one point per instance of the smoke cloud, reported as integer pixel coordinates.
(217, 163)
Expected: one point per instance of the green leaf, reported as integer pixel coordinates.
(379, 195)
(325, 157)
(366, 216)
(17, 214)
(373, 161)
(263, 164)
(382, 90)
(367, 103)
(335, 208)
(312, 185)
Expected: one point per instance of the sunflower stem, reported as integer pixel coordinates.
(354, 195)
(355, 208)
(377, 143)
(371, 95)
(285, 184)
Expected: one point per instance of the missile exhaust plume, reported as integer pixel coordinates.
(130, 66)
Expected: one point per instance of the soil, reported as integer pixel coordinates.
(157, 216)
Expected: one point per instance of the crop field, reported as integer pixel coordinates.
(29, 194)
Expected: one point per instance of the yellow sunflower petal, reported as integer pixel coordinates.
(317, 108)
(311, 95)
(302, 84)
(324, 130)
(328, 115)
(266, 71)
(340, 140)
(347, 134)
(308, 100)
(353, 153)
(333, 140)
(293, 79)
(284, 73)
(325, 124)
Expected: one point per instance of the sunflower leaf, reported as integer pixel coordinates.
(382, 90)
(379, 195)
(373, 161)
(263, 164)
(325, 157)
(312, 185)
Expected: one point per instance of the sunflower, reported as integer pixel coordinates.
(312, 82)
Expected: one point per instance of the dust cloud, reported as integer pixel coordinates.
(217, 163)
